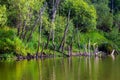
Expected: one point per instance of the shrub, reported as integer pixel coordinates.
(10, 43)
(3, 16)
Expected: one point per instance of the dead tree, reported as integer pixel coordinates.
(53, 15)
(36, 22)
(40, 27)
(89, 47)
(19, 23)
(25, 28)
(61, 47)
(112, 7)
(78, 38)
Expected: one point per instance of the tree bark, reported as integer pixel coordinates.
(18, 25)
(24, 30)
(65, 33)
(112, 6)
(40, 27)
(52, 31)
(39, 36)
(25, 33)
(48, 39)
(78, 38)
(33, 28)
(36, 21)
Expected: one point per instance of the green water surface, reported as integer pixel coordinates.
(74, 68)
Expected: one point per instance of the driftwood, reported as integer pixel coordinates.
(113, 52)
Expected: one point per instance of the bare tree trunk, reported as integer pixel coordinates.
(53, 15)
(95, 47)
(25, 33)
(43, 46)
(78, 38)
(48, 39)
(112, 6)
(18, 26)
(65, 33)
(18, 30)
(40, 27)
(39, 36)
(52, 22)
(24, 30)
(53, 38)
(71, 44)
(89, 47)
(36, 21)
(85, 47)
(33, 28)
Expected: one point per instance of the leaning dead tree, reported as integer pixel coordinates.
(61, 47)
(36, 21)
(40, 27)
(53, 15)
(26, 23)
(19, 23)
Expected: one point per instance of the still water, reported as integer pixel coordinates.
(74, 68)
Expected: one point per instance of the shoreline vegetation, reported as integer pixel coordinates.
(29, 57)
(62, 28)
(70, 54)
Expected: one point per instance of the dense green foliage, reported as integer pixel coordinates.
(10, 43)
(61, 23)
(105, 18)
(83, 15)
(3, 15)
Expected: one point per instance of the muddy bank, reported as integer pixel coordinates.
(44, 55)
(29, 56)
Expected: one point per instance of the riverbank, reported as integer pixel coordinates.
(12, 47)
(19, 57)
